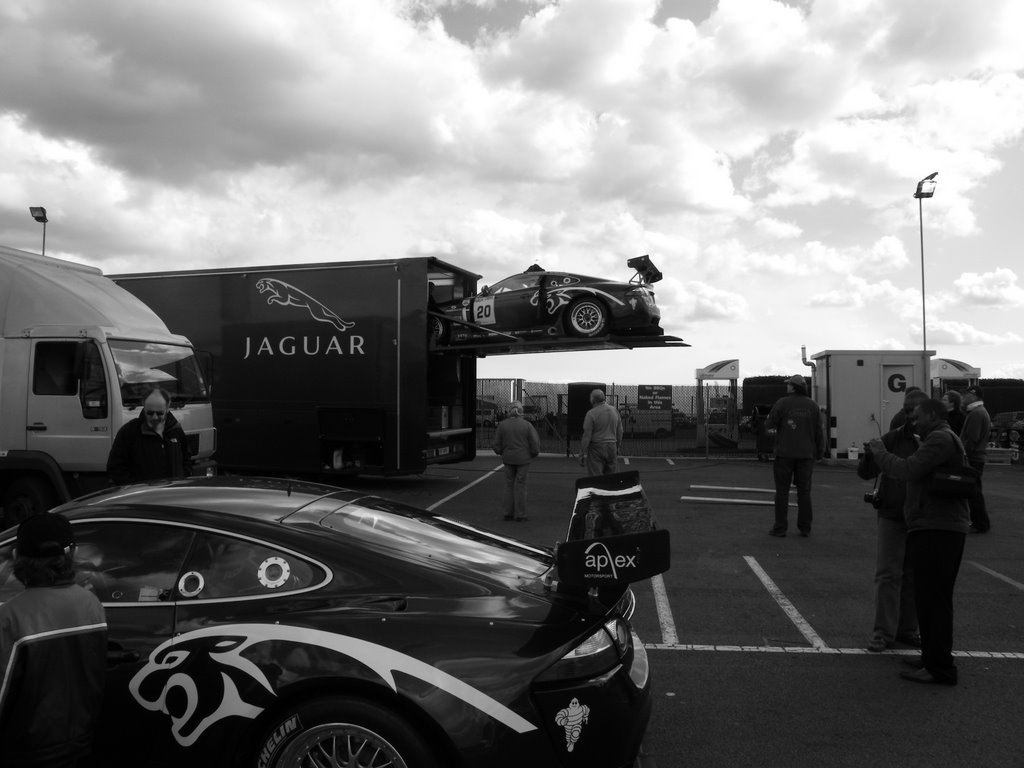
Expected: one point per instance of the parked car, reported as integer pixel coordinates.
(258, 622)
(538, 303)
(1003, 424)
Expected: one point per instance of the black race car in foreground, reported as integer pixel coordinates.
(540, 304)
(257, 622)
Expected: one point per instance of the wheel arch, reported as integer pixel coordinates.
(381, 695)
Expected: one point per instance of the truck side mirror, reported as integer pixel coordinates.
(205, 360)
(92, 380)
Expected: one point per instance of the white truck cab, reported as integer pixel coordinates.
(77, 355)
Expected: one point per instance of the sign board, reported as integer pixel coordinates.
(654, 397)
(613, 560)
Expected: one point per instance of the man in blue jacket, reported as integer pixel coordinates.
(936, 532)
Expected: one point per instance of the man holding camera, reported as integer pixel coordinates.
(895, 615)
(936, 530)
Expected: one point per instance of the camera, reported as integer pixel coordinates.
(873, 498)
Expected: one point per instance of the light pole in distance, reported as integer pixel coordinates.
(925, 188)
(39, 214)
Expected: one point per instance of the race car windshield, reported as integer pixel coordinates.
(143, 365)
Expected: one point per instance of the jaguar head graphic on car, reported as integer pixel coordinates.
(263, 622)
(541, 303)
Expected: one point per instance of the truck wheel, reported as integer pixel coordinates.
(27, 496)
(342, 731)
(586, 317)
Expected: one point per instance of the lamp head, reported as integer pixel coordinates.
(38, 213)
(926, 186)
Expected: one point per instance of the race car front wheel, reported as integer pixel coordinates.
(342, 732)
(586, 317)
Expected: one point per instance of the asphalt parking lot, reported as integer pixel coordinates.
(757, 644)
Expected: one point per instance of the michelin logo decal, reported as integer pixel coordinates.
(196, 677)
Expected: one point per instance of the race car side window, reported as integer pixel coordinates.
(225, 567)
(516, 283)
(129, 562)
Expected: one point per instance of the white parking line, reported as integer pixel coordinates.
(999, 576)
(790, 610)
(668, 624)
(825, 651)
(817, 645)
(480, 479)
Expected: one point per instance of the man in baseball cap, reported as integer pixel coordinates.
(43, 536)
(53, 645)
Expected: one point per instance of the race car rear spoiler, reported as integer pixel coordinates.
(646, 272)
(611, 539)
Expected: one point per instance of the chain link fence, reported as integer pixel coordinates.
(645, 432)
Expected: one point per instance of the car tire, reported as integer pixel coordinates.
(438, 330)
(586, 317)
(27, 496)
(335, 729)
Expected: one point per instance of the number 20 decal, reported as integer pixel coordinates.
(483, 311)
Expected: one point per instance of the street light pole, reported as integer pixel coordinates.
(39, 214)
(925, 188)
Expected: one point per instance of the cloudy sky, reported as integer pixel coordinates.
(764, 153)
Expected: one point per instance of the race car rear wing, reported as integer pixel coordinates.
(611, 538)
(646, 272)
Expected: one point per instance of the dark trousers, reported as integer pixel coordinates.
(979, 514)
(787, 470)
(935, 559)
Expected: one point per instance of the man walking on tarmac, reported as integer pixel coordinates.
(799, 442)
(602, 436)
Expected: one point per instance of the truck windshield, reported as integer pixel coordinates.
(143, 365)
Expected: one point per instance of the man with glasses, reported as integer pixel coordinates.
(151, 446)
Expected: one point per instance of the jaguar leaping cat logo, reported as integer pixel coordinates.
(201, 677)
(290, 296)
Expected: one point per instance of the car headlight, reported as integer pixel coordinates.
(597, 654)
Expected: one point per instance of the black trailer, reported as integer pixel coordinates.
(322, 369)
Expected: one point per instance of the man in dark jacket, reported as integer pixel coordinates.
(974, 434)
(799, 442)
(518, 443)
(895, 614)
(152, 446)
(53, 647)
(936, 531)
